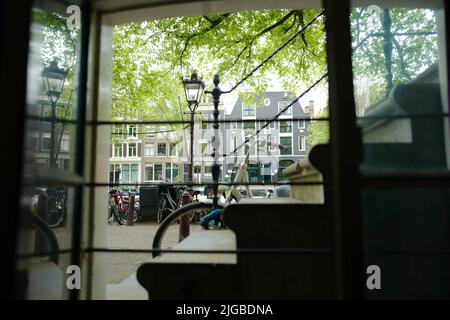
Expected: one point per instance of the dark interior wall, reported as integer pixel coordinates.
(14, 20)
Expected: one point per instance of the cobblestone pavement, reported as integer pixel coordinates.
(120, 266)
(139, 236)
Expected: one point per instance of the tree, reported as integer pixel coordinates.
(319, 130)
(390, 49)
(149, 58)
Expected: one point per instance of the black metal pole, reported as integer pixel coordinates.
(216, 93)
(52, 160)
(191, 155)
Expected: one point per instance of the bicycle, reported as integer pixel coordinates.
(169, 200)
(118, 208)
(44, 232)
(242, 177)
(56, 208)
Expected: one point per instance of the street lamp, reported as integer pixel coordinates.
(193, 88)
(54, 78)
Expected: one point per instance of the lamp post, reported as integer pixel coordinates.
(193, 88)
(54, 78)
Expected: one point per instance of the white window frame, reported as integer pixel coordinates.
(272, 147)
(249, 106)
(116, 145)
(157, 148)
(285, 133)
(176, 149)
(129, 146)
(162, 171)
(133, 134)
(46, 136)
(233, 125)
(147, 147)
(149, 165)
(281, 106)
(301, 146)
(292, 149)
(302, 124)
(150, 131)
(65, 140)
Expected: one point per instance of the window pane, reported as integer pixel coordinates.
(162, 149)
(285, 126)
(125, 173)
(287, 142)
(158, 172)
(134, 173)
(149, 172)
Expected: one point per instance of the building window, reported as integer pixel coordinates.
(132, 150)
(249, 127)
(301, 143)
(162, 132)
(132, 130)
(173, 149)
(175, 171)
(46, 113)
(134, 173)
(248, 110)
(282, 105)
(158, 171)
(285, 127)
(162, 150)
(286, 142)
(118, 131)
(130, 173)
(208, 172)
(149, 150)
(64, 144)
(118, 150)
(114, 173)
(150, 131)
(46, 143)
(126, 173)
(233, 125)
(301, 124)
(272, 146)
(149, 172)
(65, 164)
(168, 171)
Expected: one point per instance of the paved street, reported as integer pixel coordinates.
(140, 236)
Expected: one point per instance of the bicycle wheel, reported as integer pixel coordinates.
(52, 245)
(161, 209)
(55, 214)
(173, 217)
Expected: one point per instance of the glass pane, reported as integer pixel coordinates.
(401, 103)
(400, 85)
(50, 149)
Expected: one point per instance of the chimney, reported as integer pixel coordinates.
(310, 108)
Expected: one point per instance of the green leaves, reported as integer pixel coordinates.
(150, 58)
